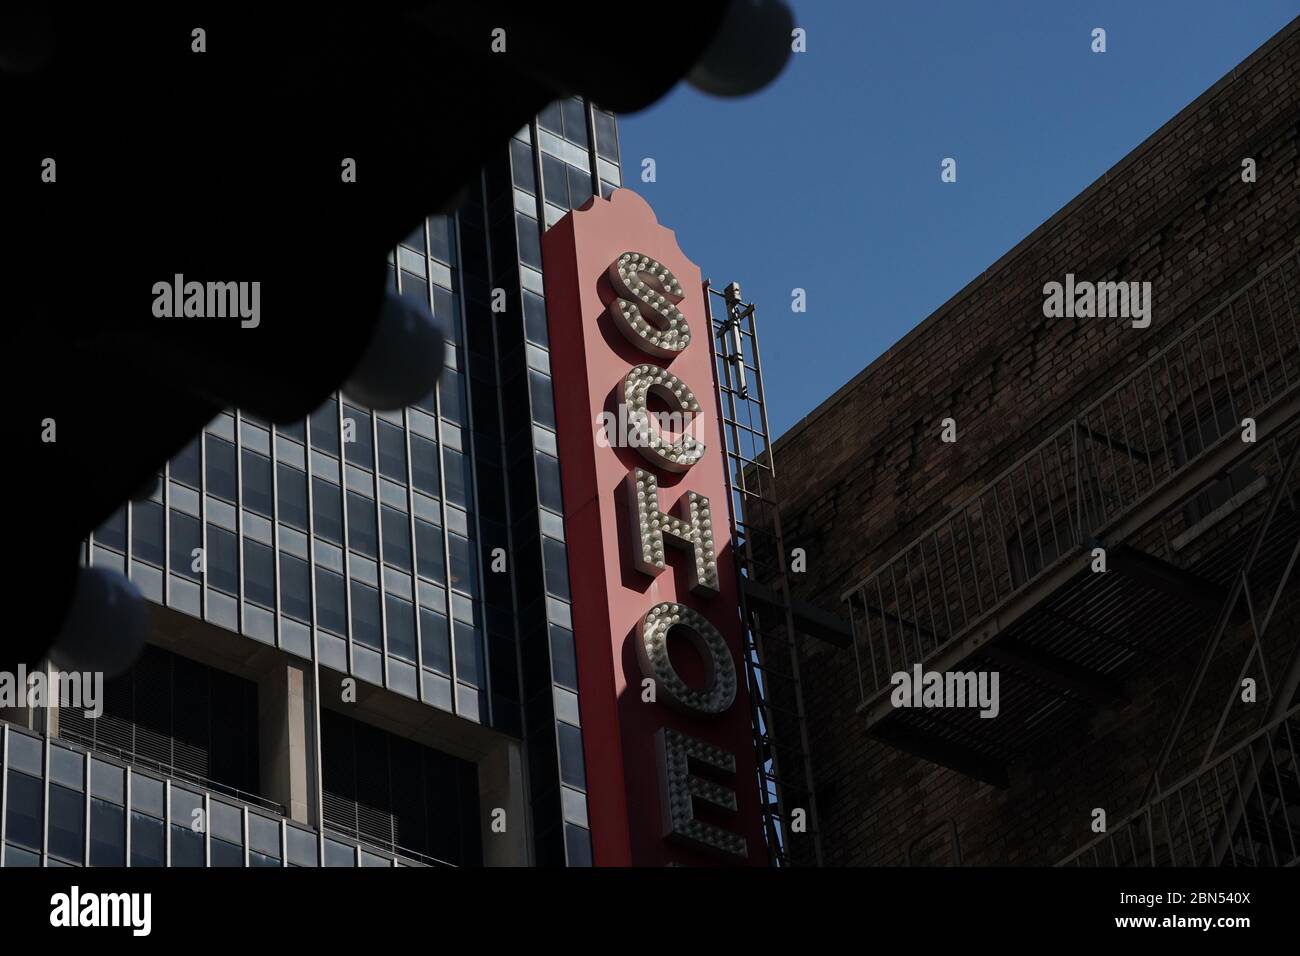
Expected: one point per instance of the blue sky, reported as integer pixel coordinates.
(828, 179)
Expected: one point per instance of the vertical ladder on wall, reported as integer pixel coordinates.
(783, 761)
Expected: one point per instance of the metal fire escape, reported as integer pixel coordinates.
(1242, 807)
(1201, 534)
(773, 623)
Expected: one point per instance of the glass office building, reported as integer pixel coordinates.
(361, 650)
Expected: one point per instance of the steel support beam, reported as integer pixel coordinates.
(1055, 671)
(943, 752)
(1160, 575)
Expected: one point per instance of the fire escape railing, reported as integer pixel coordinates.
(1175, 423)
(1242, 809)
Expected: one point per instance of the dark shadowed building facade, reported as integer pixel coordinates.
(1126, 690)
(336, 675)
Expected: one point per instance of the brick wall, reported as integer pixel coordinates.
(866, 472)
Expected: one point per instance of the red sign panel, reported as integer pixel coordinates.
(665, 720)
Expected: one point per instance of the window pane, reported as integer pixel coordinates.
(564, 663)
(24, 822)
(331, 601)
(549, 492)
(292, 495)
(147, 794)
(572, 767)
(392, 452)
(301, 847)
(451, 394)
(148, 844)
(112, 533)
(107, 781)
(67, 824)
(187, 536)
(429, 552)
(577, 840)
(447, 312)
(259, 574)
(327, 509)
(457, 485)
(428, 402)
(469, 653)
(147, 532)
(295, 587)
(226, 822)
(363, 533)
(257, 483)
(555, 181)
(415, 288)
(416, 239)
(185, 465)
(535, 318)
(440, 237)
(397, 538)
(435, 643)
(187, 847)
(186, 807)
(424, 466)
(107, 834)
(530, 240)
(15, 858)
(557, 569)
(539, 389)
(360, 450)
(551, 119)
(263, 835)
(226, 854)
(325, 427)
(221, 471)
(339, 854)
(606, 136)
(463, 572)
(575, 122)
(223, 560)
(401, 627)
(579, 185)
(521, 161)
(27, 754)
(366, 623)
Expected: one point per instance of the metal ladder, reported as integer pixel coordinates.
(783, 762)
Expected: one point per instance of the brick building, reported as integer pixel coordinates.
(1074, 437)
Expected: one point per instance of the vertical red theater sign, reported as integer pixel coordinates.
(670, 780)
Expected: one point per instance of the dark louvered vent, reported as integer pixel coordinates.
(398, 794)
(179, 716)
(74, 724)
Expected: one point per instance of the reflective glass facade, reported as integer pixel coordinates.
(554, 165)
(419, 551)
(70, 806)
